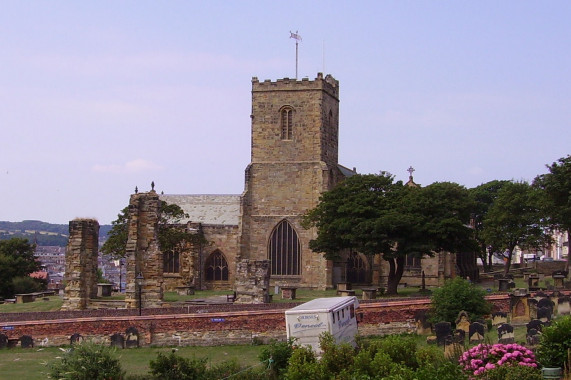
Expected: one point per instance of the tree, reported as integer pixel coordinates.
(16, 260)
(515, 220)
(171, 234)
(483, 197)
(557, 187)
(456, 295)
(373, 215)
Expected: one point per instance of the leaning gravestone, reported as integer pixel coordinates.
(442, 330)
(506, 334)
(3, 341)
(423, 326)
(477, 331)
(117, 340)
(26, 341)
(546, 302)
(452, 349)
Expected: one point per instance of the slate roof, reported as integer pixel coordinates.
(207, 209)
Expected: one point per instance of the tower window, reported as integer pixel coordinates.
(216, 267)
(284, 250)
(171, 261)
(287, 123)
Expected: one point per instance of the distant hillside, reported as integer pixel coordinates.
(44, 234)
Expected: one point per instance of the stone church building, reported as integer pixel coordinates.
(294, 158)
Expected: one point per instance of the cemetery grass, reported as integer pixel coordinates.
(52, 303)
(32, 364)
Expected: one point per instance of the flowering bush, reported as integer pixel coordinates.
(484, 357)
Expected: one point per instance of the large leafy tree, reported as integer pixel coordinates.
(557, 187)
(16, 260)
(171, 235)
(515, 219)
(373, 214)
(483, 198)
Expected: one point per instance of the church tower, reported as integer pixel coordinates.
(295, 125)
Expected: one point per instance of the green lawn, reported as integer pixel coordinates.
(31, 364)
(52, 303)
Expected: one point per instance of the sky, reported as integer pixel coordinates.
(100, 97)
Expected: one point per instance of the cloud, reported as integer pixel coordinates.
(135, 166)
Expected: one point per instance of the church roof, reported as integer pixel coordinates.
(207, 209)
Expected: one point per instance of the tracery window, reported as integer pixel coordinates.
(284, 250)
(356, 268)
(171, 262)
(287, 123)
(216, 267)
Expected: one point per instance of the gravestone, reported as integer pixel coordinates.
(452, 349)
(532, 302)
(533, 282)
(564, 305)
(26, 341)
(442, 330)
(3, 341)
(75, 338)
(544, 314)
(131, 338)
(423, 326)
(546, 302)
(533, 337)
(430, 340)
(463, 321)
(498, 318)
(506, 334)
(541, 294)
(534, 324)
(476, 333)
(459, 336)
(117, 340)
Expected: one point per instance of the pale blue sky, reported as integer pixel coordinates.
(97, 97)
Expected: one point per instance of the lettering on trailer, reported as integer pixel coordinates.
(303, 326)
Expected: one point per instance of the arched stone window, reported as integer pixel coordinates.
(356, 268)
(412, 262)
(216, 267)
(287, 123)
(171, 262)
(284, 250)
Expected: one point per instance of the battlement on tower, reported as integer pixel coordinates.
(327, 84)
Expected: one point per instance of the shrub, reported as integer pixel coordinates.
(514, 372)
(335, 357)
(457, 295)
(401, 349)
(278, 354)
(26, 284)
(445, 370)
(87, 361)
(175, 367)
(484, 357)
(304, 365)
(555, 341)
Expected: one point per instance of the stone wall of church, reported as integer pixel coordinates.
(436, 269)
(226, 239)
(81, 264)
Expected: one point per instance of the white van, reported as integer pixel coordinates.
(335, 315)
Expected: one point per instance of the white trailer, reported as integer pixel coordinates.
(335, 315)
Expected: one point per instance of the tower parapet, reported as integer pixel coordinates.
(327, 84)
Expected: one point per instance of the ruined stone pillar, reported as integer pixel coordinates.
(81, 264)
(252, 281)
(143, 254)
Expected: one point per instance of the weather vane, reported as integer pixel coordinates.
(297, 38)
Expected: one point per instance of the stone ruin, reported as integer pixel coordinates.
(144, 257)
(81, 264)
(252, 281)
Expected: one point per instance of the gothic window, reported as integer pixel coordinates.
(216, 267)
(356, 269)
(284, 250)
(287, 123)
(412, 261)
(171, 261)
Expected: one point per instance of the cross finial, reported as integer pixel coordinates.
(136, 189)
(410, 170)
(153, 185)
